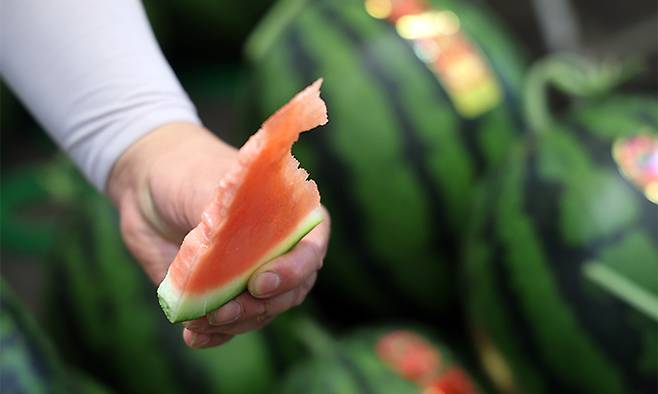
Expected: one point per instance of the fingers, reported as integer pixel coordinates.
(276, 287)
(259, 312)
(289, 271)
(200, 341)
(253, 313)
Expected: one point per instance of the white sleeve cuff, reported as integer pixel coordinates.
(92, 74)
(98, 155)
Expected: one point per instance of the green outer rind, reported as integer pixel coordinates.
(180, 308)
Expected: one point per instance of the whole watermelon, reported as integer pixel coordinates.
(106, 318)
(562, 260)
(401, 153)
(378, 360)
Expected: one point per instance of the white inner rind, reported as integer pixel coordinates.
(179, 307)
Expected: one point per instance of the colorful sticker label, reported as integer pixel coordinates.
(439, 42)
(637, 158)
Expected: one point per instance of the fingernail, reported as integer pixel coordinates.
(266, 283)
(200, 340)
(226, 314)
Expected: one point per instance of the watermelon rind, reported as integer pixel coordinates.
(180, 307)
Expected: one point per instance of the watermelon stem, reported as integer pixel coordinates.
(623, 288)
(575, 76)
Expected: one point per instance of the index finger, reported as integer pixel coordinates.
(290, 270)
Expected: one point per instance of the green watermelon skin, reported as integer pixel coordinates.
(28, 361)
(352, 365)
(106, 318)
(559, 203)
(396, 161)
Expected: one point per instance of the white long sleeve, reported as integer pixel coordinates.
(91, 73)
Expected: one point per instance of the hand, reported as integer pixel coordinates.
(161, 185)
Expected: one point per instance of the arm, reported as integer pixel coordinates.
(94, 77)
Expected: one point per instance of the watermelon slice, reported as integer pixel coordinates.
(262, 208)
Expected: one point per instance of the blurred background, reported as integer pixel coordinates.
(409, 309)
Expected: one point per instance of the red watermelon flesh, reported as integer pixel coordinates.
(262, 208)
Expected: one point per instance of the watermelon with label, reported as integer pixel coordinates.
(106, 319)
(376, 360)
(562, 258)
(413, 133)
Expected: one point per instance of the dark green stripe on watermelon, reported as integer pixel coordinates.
(515, 314)
(495, 314)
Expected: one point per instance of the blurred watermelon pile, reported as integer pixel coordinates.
(494, 212)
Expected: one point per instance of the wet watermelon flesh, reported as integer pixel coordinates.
(261, 209)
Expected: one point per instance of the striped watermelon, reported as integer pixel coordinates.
(28, 361)
(106, 318)
(377, 360)
(397, 166)
(562, 260)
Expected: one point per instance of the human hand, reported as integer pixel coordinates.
(161, 186)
